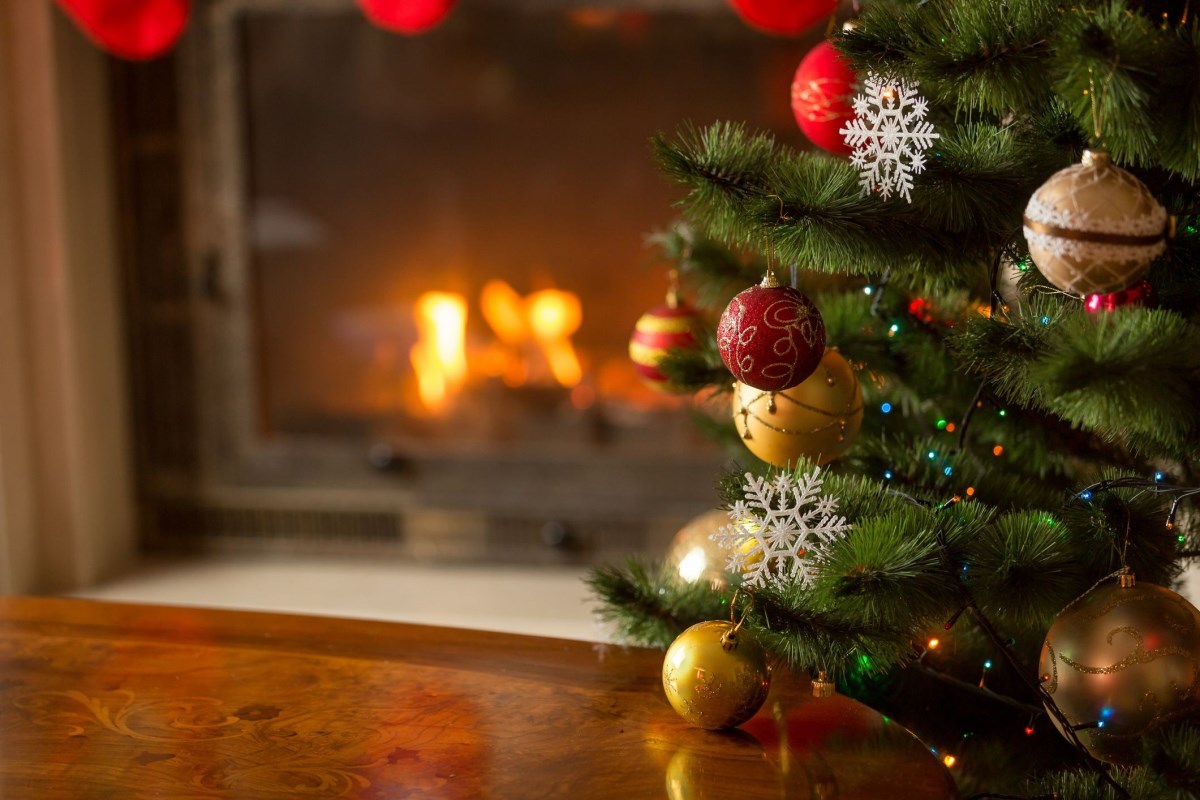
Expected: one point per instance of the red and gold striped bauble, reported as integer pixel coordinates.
(659, 330)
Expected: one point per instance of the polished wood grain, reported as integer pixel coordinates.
(101, 700)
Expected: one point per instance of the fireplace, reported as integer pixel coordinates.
(380, 288)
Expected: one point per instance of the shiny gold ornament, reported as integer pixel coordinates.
(715, 675)
(1094, 228)
(694, 556)
(817, 419)
(1120, 661)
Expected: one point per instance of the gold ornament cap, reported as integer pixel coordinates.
(1096, 158)
(1127, 579)
(823, 687)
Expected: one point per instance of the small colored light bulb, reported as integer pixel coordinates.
(886, 408)
(949, 760)
(987, 664)
(887, 474)
(934, 643)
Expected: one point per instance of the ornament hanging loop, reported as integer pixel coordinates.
(673, 288)
(1099, 101)
(729, 639)
(771, 280)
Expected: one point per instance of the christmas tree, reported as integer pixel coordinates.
(1026, 347)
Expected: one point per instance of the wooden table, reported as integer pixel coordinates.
(125, 701)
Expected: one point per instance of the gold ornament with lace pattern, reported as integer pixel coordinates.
(1094, 228)
(715, 675)
(1119, 662)
(817, 419)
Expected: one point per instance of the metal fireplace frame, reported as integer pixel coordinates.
(207, 477)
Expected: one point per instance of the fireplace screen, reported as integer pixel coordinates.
(412, 265)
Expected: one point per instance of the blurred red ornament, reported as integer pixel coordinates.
(821, 94)
(406, 16)
(783, 17)
(1140, 294)
(659, 331)
(922, 309)
(771, 337)
(130, 29)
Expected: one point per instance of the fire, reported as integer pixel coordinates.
(439, 357)
(504, 310)
(553, 316)
(547, 319)
(542, 322)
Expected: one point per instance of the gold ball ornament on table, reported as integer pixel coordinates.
(817, 419)
(1094, 228)
(715, 675)
(1119, 662)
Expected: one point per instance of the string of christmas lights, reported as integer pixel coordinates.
(1005, 647)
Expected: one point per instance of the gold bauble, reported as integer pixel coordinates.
(816, 420)
(737, 767)
(1120, 661)
(1094, 228)
(694, 556)
(715, 675)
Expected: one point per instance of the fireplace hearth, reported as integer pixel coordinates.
(380, 288)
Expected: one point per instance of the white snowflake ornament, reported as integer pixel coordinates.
(889, 134)
(781, 530)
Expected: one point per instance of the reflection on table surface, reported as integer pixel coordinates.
(109, 700)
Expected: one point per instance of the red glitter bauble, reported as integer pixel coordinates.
(783, 17)
(132, 29)
(406, 16)
(821, 94)
(771, 337)
(1140, 294)
(656, 333)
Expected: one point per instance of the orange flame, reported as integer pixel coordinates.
(553, 316)
(504, 310)
(439, 357)
(546, 318)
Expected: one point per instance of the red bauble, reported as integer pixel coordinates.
(821, 94)
(1140, 294)
(132, 29)
(771, 337)
(406, 16)
(657, 332)
(783, 17)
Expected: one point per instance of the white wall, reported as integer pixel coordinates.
(66, 509)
